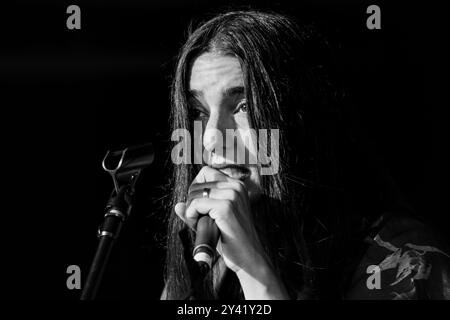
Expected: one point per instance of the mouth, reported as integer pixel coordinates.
(234, 171)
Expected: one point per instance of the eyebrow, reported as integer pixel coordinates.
(194, 93)
(234, 91)
(229, 92)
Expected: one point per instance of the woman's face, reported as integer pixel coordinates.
(217, 100)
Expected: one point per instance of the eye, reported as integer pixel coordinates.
(242, 106)
(196, 110)
(197, 113)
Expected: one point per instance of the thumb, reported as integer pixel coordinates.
(180, 210)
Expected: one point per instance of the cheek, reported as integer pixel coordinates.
(242, 121)
(248, 138)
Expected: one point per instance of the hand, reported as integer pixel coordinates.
(228, 205)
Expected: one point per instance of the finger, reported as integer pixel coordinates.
(229, 183)
(219, 210)
(192, 215)
(235, 191)
(207, 174)
(180, 210)
(219, 194)
(213, 184)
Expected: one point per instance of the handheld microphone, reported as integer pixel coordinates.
(206, 241)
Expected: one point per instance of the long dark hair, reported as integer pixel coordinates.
(289, 87)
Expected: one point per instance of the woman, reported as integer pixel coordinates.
(326, 224)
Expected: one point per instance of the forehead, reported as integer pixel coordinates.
(212, 71)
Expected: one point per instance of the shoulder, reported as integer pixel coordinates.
(405, 259)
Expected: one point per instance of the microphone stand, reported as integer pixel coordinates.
(117, 210)
(125, 167)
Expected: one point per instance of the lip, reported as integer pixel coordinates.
(234, 171)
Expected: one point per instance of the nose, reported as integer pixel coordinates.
(215, 132)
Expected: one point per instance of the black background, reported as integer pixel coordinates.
(70, 95)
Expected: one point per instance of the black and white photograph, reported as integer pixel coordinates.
(219, 150)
